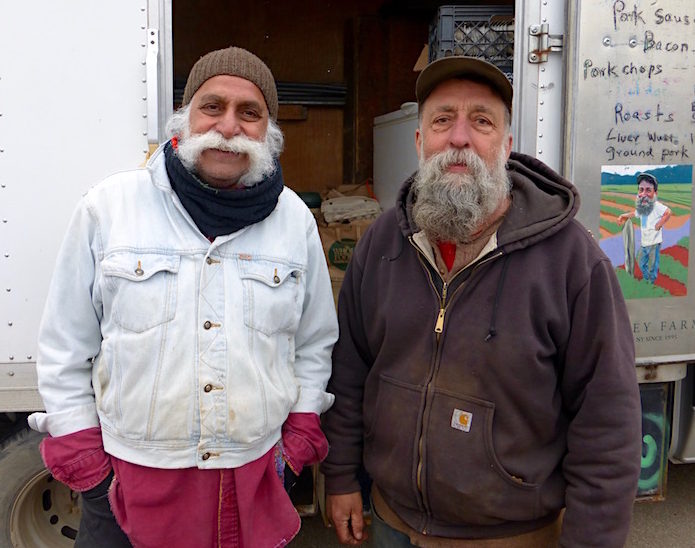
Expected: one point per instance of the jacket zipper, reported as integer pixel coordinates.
(439, 325)
(438, 329)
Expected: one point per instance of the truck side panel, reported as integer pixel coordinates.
(73, 96)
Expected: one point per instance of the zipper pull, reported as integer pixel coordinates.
(439, 326)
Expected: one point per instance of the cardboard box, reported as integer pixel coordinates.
(339, 240)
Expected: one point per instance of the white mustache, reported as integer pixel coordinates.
(239, 144)
(261, 154)
(442, 160)
(191, 146)
(261, 162)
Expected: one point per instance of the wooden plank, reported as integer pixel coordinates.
(301, 41)
(313, 155)
(292, 113)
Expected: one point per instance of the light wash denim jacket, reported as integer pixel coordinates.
(185, 352)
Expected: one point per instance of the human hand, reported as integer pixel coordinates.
(345, 513)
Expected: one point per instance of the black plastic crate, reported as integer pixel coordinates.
(479, 31)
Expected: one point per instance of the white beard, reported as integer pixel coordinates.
(452, 207)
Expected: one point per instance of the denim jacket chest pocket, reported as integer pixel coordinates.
(142, 288)
(272, 294)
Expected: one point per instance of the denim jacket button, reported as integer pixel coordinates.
(208, 388)
(205, 456)
(207, 324)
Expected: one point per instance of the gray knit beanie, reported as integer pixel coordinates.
(234, 62)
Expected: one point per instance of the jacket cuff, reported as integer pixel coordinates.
(303, 441)
(78, 460)
(341, 485)
(65, 422)
(312, 400)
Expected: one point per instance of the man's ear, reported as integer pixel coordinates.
(418, 137)
(509, 145)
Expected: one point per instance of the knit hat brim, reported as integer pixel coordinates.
(233, 61)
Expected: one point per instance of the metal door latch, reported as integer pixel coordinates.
(540, 43)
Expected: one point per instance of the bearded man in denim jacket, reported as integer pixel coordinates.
(185, 345)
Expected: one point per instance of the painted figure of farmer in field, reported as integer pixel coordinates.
(653, 216)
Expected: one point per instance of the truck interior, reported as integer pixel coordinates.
(338, 65)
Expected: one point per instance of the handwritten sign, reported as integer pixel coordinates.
(631, 110)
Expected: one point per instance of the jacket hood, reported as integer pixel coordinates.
(542, 203)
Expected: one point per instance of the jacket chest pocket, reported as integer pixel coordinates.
(272, 292)
(142, 288)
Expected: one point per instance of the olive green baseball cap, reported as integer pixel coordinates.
(460, 66)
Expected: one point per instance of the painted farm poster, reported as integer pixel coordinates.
(645, 227)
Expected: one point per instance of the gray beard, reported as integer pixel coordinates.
(452, 207)
(644, 206)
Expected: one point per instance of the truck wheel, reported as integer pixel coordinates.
(35, 509)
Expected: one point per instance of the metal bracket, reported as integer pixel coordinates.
(152, 67)
(540, 43)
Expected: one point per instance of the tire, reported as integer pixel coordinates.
(36, 511)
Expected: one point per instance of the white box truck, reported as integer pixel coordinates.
(84, 89)
(603, 90)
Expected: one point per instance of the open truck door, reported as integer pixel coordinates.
(606, 91)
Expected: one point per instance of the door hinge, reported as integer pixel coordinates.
(540, 43)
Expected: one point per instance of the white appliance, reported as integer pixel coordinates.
(395, 157)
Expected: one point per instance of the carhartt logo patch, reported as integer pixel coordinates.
(461, 420)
